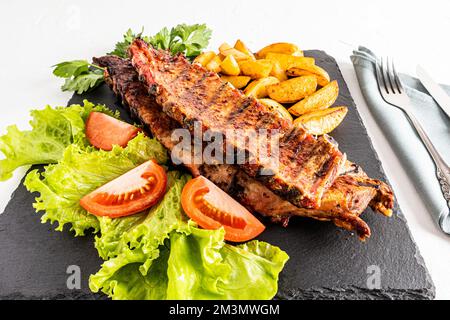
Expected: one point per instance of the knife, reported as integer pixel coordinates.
(434, 89)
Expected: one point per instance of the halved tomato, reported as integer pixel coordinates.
(104, 131)
(128, 194)
(212, 208)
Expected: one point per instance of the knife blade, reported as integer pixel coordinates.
(435, 90)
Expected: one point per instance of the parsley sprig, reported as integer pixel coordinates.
(122, 46)
(187, 39)
(82, 76)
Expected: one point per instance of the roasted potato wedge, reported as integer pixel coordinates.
(322, 76)
(279, 47)
(224, 46)
(277, 107)
(257, 88)
(322, 121)
(321, 81)
(321, 99)
(278, 72)
(256, 69)
(240, 46)
(214, 64)
(238, 82)
(204, 58)
(230, 66)
(287, 61)
(292, 90)
(239, 56)
(225, 50)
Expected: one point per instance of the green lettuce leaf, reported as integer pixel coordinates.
(123, 278)
(53, 129)
(202, 266)
(196, 265)
(196, 269)
(109, 243)
(255, 268)
(80, 171)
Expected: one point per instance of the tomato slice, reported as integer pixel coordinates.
(211, 208)
(128, 194)
(104, 131)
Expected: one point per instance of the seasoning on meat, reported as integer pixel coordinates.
(189, 93)
(342, 204)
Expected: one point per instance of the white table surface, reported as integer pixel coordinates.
(38, 34)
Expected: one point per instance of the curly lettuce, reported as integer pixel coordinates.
(137, 268)
(199, 265)
(156, 254)
(80, 171)
(147, 230)
(52, 131)
(124, 278)
(202, 266)
(165, 256)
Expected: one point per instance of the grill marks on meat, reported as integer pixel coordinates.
(189, 93)
(342, 204)
(124, 81)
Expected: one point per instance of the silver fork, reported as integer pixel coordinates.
(392, 91)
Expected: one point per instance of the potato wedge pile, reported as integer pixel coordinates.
(283, 79)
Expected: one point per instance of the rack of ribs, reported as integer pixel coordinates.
(305, 166)
(342, 204)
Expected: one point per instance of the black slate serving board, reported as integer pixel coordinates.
(325, 262)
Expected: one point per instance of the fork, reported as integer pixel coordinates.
(393, 93)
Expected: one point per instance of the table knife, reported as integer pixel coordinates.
(435, 90)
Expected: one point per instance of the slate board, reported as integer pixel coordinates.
(325, 262)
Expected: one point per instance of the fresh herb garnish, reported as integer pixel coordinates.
(81, 76)
(186, 39)
(122, 46)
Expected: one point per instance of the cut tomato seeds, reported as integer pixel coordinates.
(136, 190)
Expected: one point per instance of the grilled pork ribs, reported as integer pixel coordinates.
(305, 167)
(342, 203)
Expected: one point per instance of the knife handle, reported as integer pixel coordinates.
(442, 169)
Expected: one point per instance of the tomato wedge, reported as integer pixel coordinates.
(104, 131)
(128, 194)
(211, 208)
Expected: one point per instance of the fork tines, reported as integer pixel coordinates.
(388, 77)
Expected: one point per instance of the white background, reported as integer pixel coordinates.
(37, 34)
